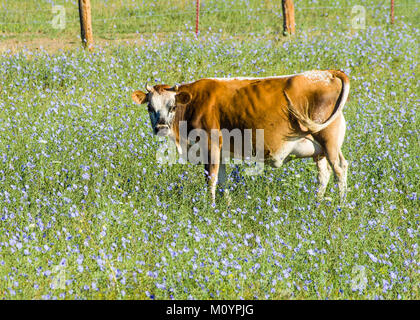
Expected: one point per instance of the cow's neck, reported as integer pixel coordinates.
(179, 116)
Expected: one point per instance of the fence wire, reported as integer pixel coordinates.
(74, 19)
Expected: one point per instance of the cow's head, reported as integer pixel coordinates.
(162, 101)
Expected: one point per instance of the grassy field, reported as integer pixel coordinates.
(86, 211)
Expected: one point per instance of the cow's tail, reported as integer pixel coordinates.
(303, 117)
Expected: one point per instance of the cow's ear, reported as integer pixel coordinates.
(182, 97)
(139, 97)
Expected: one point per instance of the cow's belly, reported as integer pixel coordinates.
(299, 148)
(306, 147)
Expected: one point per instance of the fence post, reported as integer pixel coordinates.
(288, 17)
(86, 24)
(197, 3)
(392, 12)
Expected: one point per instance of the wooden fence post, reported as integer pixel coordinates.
(392, 12)
(86, 24)
(197, 3)
(288, 17)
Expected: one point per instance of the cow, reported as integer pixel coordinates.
(301, 116)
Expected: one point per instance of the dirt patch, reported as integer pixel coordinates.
(50, 45)
(14, 43)
(11, 44)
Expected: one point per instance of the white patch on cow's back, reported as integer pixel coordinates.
(313, 75)
(252, 78)
(318, 76)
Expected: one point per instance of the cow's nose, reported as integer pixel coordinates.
(161, 129)
(161, 126)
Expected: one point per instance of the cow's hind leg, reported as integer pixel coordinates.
(343, 165)
(324, 173)
(332, 139)
(339, 166)
(308, 147)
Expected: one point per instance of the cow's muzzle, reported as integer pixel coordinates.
(162, 130)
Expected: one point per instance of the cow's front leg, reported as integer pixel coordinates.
(212, 171)
(213, 165)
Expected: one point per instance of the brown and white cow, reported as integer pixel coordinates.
(301, 116)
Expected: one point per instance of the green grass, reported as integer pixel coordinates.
(79, 178)
(121, 19)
